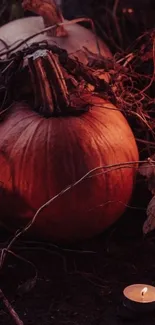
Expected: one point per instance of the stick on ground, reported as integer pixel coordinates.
(10, 309)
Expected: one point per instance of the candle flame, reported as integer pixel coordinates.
(144, 290)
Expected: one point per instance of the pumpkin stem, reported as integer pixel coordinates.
(50, 82)
(50, 13)
(50, 90)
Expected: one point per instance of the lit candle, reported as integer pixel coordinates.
(139, 297)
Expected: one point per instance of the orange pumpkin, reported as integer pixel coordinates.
(40, 156)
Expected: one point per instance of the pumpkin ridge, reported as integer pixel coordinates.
(104, 176)
(28, 143)
(11, 150)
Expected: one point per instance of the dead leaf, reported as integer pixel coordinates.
(149, 223)
(151, 184)
(26, 286)
(147, 169)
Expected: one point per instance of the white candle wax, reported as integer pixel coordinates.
(141, 293)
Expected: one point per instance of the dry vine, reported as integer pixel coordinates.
(127, 80)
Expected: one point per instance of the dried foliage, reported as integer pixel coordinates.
(127, 80)
(147, 169)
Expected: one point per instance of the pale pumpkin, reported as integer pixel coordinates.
(72, 37)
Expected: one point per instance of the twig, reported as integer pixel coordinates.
(113, 14)
(130, 57)
(116, 3)
(125, 58)
(39, 245)
(153, 75)
(151, 143)
(10, 309)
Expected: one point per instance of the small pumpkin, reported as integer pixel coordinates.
(50, 144)
(72, 37)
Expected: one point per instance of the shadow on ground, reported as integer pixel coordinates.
(81, 285)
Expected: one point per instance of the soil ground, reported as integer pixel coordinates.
(82, 285)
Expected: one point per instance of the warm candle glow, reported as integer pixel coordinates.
(144, 291)
(141, 293)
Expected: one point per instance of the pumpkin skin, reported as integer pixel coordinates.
(40, 157)
(78, 37)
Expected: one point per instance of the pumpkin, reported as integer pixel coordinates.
(74, 38)
(50, 144)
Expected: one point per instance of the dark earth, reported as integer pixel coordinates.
(81, 285)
